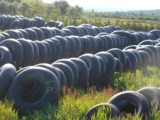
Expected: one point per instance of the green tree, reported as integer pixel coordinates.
(74, 12)
(62, 5)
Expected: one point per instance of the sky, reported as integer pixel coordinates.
(115, 4)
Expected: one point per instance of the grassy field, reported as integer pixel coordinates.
(76, 103)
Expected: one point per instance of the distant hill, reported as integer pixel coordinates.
(155, 12)
(147, 12)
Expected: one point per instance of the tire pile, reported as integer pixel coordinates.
(138, 103)
(41, 33)
(21, 22)
(34, 86)
(108, 49)
(24, 52)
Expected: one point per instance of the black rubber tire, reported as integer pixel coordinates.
(60, 24)
(74, 30)
(83, 72)
(72, 43)
(146, 58)
(151, 36)
(133, 59)
(2, 22)
(105, 42)
(6, 35)
(129, 101)
(36, 56)
(40, 21)
(130, 37)
(53, 49)
(58, 32)
(103, 66)
(13, 33)
(158, 56)
(28, 52)
(119, 66)
(112, 111)
(79, 45)
(58, 48)
(16, 49)
(32, 34)
(69, 48)
(128, 66)
(67, 32)
(67, 71)
(51, 68)
(87, 45)
(94, 66)
(7, 73)
(59, 73)
(6, 55)
(47, 32)
(2, 38)
(156, 33)
(42, 51)
(94, 44)
(33, 88)
(130, 47)
(155, 52)
(152, 94)
(101, 45)
(118, 53)
(64, 45)
(139, 60)
(84, 29)
(147, 42)
(16, 24)
(53, 31)
(115, 40)
(109, 61)
(149, 51)
(25, 33)
(51, 23)
(73, 66)
(27, 23)
(40, 33)
(49, 52)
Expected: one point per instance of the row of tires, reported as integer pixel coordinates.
(34, 86)
(41, 33)
(16, 22)
(23, 52)
(138, 103)
(6, 20)
(21, 22)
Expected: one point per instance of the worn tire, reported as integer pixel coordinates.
(33, 88)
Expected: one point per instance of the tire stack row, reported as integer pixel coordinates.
(41, 33)
(17, 22)
(21, 23)
(138, 103)
(6, 21)
(23, 52)
(86, 29)
(34, 86)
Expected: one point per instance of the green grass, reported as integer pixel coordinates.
(76, 103)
